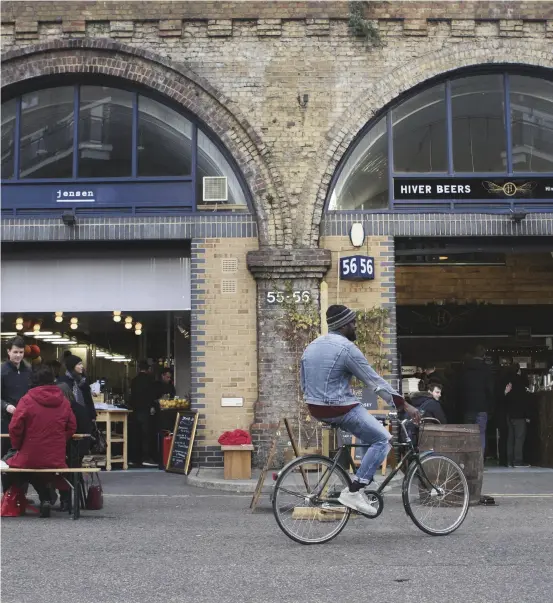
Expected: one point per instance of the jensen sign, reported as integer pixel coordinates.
(75, 195)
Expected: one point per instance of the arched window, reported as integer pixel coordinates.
(457, 145)
(96, 146)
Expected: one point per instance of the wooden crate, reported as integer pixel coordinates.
(238, 461)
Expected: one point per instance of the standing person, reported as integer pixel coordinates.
(83, 407)
(476, 391)
(142, 403)
(516, 398)
(74, 387)
(16, 377)
(40, 428)
(165, 385)
(327, 367)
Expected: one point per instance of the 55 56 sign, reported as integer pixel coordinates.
(357, 268)
(298, 297)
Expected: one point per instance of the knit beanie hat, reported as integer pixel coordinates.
(338, 316)
(71, 362)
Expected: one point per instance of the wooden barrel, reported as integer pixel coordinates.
(462, 444)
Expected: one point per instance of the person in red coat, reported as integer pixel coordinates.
(41, 425)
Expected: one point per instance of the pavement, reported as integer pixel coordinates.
(160, 539)
(213, 478)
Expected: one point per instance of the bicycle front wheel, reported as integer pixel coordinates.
(436, 495)
(305, 500)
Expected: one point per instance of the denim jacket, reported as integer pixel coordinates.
(327, 366)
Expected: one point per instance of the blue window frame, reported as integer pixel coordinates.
(102, 149)
(481, 141)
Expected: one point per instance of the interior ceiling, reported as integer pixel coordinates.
(100, 329)
(412, 246)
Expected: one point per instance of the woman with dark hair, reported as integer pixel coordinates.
(75, 381)
(40, 428)
(75, 388)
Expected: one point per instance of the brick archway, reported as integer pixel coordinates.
(375, 98)
(182, 85)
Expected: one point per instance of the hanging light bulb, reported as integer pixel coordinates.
(117, 315)
(19, 326)
(59, 317)
(19, 321)
(128, 319)
(36, 328)
(138, 326)
(74, 325)
(74, 320)
(138, 332)
(128, 325)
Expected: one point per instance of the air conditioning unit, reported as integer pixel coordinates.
(215, 189)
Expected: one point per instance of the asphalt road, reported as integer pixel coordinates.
(159, 540)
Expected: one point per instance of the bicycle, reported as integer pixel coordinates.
(312, 514)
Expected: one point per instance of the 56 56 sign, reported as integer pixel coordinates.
(357, 268)
(298, 297)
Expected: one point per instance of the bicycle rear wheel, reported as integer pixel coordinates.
(436, 495)
(305, 501)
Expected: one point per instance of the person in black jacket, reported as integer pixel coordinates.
(516, 398)
(142, 403)
(16, 380)
(429, 402)
(476, 391)
(75, 388)
(83, 405)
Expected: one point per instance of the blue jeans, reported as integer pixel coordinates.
(480, 419)
(368, 431)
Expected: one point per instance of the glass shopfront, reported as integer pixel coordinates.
(478, 142)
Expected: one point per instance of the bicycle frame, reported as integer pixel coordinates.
(412, 454)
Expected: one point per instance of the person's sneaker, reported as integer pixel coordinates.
(357, 501)
(45, 508)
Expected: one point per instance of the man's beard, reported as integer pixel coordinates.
(352, 336)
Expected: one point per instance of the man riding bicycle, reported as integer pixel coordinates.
(327, 366)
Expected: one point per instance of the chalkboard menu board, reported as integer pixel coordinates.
(183, 440)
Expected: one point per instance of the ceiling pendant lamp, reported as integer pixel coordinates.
(117, 316)
(59, 317)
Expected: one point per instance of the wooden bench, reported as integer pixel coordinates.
(74, 473)
(238, 461)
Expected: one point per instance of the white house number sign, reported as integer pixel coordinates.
(298, 297)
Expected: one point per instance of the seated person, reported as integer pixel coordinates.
(41, 425)
(429, 402)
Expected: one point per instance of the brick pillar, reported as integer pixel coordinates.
(275, 270)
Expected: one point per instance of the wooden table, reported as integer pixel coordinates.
(73, 472)
(75, 436)
(111, 417)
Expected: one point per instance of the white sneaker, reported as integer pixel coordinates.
(357, 501)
